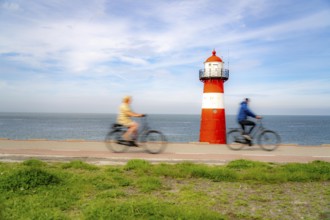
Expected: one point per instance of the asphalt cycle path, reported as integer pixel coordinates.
(97, 153)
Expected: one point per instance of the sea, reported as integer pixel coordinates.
(301, 130)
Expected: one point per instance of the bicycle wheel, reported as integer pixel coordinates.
(154, 142)
(112, 139)
(269, 140)
(235, 140)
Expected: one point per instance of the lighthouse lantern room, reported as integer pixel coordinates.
(213, 120)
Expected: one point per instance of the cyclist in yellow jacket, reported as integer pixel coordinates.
(124, 118)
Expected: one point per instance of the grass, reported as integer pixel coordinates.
(140, 190)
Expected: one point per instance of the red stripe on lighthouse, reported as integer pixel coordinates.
(213, 120)
(213, 85)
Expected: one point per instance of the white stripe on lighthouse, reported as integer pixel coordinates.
(213, 101)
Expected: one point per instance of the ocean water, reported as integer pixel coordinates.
(302, 130)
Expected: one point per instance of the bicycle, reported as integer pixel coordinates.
(267, 139)
(152, 141)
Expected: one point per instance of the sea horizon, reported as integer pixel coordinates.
(229, 114)
(293, 129)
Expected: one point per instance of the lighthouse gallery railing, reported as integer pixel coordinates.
(214, 74)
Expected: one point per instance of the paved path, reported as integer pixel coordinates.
(96, 152)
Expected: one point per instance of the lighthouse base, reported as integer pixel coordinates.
(213, 126)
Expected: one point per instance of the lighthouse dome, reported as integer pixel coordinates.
(213, 58)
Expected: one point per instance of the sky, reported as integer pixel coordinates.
(83, 56)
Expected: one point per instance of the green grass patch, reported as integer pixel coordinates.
(34, 163)
(28, 178)
(247, 164)
(146, 208)
(77, 164)
(241, 189)
(314, 171)
(149, 183)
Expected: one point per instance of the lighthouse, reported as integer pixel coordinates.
(213, 120)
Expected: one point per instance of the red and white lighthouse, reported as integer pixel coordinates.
(213, 120)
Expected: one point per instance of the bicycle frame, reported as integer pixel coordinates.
(257, 129)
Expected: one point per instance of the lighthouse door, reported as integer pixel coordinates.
(214, 69)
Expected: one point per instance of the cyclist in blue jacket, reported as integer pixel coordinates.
(243, 114)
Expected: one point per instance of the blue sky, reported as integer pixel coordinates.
(85, 55)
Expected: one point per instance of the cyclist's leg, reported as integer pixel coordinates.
(244, 123)
(242, 126)
(252, 124)
(131, 131)
(247, 123)
(134, 133)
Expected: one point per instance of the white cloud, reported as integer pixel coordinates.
(103, 50)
